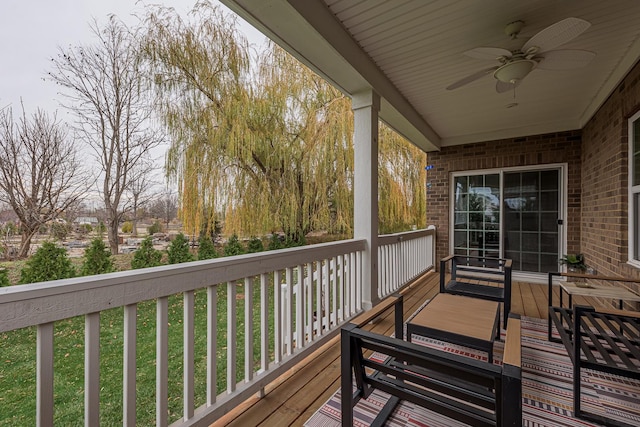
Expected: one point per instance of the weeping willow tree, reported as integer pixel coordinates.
(402, 201)
(268, 146)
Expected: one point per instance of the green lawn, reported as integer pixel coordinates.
(18, 357)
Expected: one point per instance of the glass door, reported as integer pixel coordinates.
(511, 214)
(531, 210)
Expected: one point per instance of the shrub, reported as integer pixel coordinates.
(60, 231)
(97, 259)
(146, 255)
(255, 245)
(9, 229)
(127, 227)
(178, 250)
(4, 277)
(275, 242)
(292, 242)
(101, 228)
(233, 246)
(206, 248)
(156, 227)
(85, 229)
(50, 262)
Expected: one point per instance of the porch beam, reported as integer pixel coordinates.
(366, 106)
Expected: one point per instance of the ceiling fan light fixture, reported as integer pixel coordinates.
(514, 71)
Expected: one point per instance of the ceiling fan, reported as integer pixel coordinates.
(537, 52)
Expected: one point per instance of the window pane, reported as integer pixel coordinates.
(549, 201)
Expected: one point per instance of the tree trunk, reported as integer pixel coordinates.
(25, 244)
(112, 231)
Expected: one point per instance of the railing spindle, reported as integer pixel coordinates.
(232, 328)
(264, 322)
(277, 317)
(44, 375)
(92, 369)
(288, 312)
(188, 354)
(130, 365)
(248, 328)
(326, 288)
(212, 347)
(162, 361)
(300, 308)
(319, 296)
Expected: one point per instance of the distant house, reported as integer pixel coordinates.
(87, 220)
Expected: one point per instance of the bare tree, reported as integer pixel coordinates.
(165, 207)
(106, 91)
(40, 175)
(140, 191)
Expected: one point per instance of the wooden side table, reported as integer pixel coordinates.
(597, 291)
(466, 321)
(619, 293)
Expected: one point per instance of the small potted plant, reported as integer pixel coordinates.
(575, 263)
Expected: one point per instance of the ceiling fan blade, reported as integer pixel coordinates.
(488, 53)
(502, 87)
(557, 34)
(567, 59)
(473, 77)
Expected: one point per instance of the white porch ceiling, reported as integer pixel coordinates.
(409, 51)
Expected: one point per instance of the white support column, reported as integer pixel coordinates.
(365, 144)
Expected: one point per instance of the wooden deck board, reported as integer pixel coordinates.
(541, 297)
(516, 298)
(295, 397)
(529, 306)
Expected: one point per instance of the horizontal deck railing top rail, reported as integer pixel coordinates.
(263, 314)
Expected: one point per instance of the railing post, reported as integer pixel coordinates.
(365, 142)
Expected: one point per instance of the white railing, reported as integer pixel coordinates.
(280, 306)
(404, 256)
(263, 313)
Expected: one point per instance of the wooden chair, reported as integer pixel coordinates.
(479, 277)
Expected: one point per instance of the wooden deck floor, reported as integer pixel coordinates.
(296, 396)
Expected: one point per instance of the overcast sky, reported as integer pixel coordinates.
(32, 30)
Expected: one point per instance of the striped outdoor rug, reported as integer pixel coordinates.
(547, 393)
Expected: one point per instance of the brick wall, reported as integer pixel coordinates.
(545, 149)
(605, 157)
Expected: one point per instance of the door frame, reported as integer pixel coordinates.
(563, 176)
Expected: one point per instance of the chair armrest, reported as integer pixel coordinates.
(447, 258)
(513, 344)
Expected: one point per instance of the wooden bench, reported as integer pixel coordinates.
(468, 390)
(605, 340)
(479, 277)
